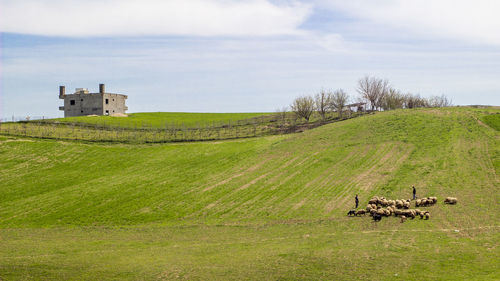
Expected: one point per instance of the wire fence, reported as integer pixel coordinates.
(24, 118)
(147, 133)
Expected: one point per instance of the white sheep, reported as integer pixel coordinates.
(451, 200)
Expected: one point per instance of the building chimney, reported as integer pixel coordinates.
(62, 90)
(102, 90)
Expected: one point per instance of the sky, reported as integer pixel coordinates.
(243, 55)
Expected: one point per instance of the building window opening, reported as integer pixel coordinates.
(81, 99)
(107, 101)
(81, 111)
(107, 112)
(72, 102)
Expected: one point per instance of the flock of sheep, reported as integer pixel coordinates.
(379, 207)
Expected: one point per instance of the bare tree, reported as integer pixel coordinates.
(303, 107)
(339, 100)
(281, 114)
(323, 101)
(381, 88)
(373, 90)
(365, 90)
(439, 101)
(380, 95)
(393, 99)
(414, 101)
(409, 101)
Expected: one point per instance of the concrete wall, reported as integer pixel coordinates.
(85, 104)
(94, 104)
(115, 104)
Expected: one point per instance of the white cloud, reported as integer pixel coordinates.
(334, 42)
(77, 18)
(474, 21)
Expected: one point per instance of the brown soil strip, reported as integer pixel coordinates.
(252, 182)
(249, 170)
(300, 204)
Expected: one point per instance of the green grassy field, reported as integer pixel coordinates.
(493, 120)
(160, 119)
(262, 208)
(112, 129)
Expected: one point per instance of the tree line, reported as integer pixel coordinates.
(376, 94)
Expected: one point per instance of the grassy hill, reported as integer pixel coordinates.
(160, 119)
(262, 208)
(167, 127)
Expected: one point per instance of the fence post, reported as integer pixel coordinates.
(237, 128)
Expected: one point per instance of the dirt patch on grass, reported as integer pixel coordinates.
(15, 140)
(482, 124)
(289, 162)
(253, 168)
(252, 182)
(249, 170)
(304, 160)
(300, 204)
(285, 180)
(145, 210)
(223, 182)
(330, 206)
(210, 206)
(283, 169)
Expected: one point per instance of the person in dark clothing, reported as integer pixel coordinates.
(357, 201)
(414, 192)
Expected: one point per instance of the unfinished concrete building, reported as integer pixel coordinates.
(83, 103)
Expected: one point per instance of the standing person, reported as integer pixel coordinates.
(356, 200)
(414, 192)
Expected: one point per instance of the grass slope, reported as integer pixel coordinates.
(493, 120)
(271, 208)
(159, 119)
